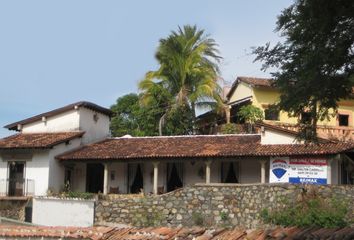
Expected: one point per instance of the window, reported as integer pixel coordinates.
(343, 120)
(271, 114)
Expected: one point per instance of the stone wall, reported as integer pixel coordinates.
(14, 209)
(211, 205)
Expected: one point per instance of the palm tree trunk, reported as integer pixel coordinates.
(161, 123)
(194, 118)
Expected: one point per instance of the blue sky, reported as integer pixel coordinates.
(54, 53)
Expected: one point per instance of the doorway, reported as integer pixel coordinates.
(16, 178)
(174, 176)
(135, 178)
(94, 177)
(229, 172)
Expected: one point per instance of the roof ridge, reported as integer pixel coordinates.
(56, 111)
(187, 136)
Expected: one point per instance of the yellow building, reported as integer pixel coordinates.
(261, 93)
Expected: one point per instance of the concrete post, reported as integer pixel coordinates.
(156, 176)
(329, 171)
(105, 178)
(263, 171)
(207, 171)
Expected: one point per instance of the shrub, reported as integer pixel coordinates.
(224, 216)
(315, 211)
(229, 128)
(82, 195)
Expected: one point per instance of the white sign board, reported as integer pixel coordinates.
(298, 170)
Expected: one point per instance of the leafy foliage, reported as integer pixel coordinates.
(250, 114)
(314, 212)
(131, 119)
(229, 128)
(187, 73)
(315, 62)
(136, 119)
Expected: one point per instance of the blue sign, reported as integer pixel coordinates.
(308, 180)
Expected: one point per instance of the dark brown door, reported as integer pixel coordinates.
(16, 179)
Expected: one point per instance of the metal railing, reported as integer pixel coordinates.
(17, 187)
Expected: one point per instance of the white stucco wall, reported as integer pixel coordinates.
(67, 121)
(78, 183)
(250, 171)
(94, 130)
(36, 169)
(276, 137)
(56, 169)
(120, 179)
(63, 212)
(3, 176)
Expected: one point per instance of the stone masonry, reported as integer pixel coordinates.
(14, 209)
(211, 205)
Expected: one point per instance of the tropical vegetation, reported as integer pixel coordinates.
(187, 75)
(314, 65)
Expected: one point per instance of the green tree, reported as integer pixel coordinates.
(142, 120)
(314, 64)
(250, 114)
(187, 74)
(133, 119)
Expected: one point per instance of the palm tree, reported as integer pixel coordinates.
(188, 72)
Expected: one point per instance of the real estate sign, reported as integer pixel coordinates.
(298, 170)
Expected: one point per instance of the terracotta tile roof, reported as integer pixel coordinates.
(195, 147)
(89, 105)
(253, 81)
(166, 146)
(257, 82)
(110, 233)
(94, 233)
(37, 140)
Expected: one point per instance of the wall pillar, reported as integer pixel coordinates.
(105, 178)
(227, 113)
(156, 176)
(263, 171)
(329, 171)
(207, 171)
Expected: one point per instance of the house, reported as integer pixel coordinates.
(27, 159)
(261, 93)
(71, 146)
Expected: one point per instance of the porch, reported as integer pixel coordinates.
(163, 175)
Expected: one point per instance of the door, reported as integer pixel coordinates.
(94, 177)
(16, 179)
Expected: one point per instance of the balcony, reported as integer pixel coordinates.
(17, 187)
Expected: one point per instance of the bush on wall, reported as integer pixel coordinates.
(310, 211)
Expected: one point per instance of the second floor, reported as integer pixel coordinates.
(261, 93)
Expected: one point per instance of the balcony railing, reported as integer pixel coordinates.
(17, 187)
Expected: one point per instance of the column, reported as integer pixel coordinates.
(156, 176)
(227, 113)
(207, 171)
(105, 178)
(329, 171)
(263, 171)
